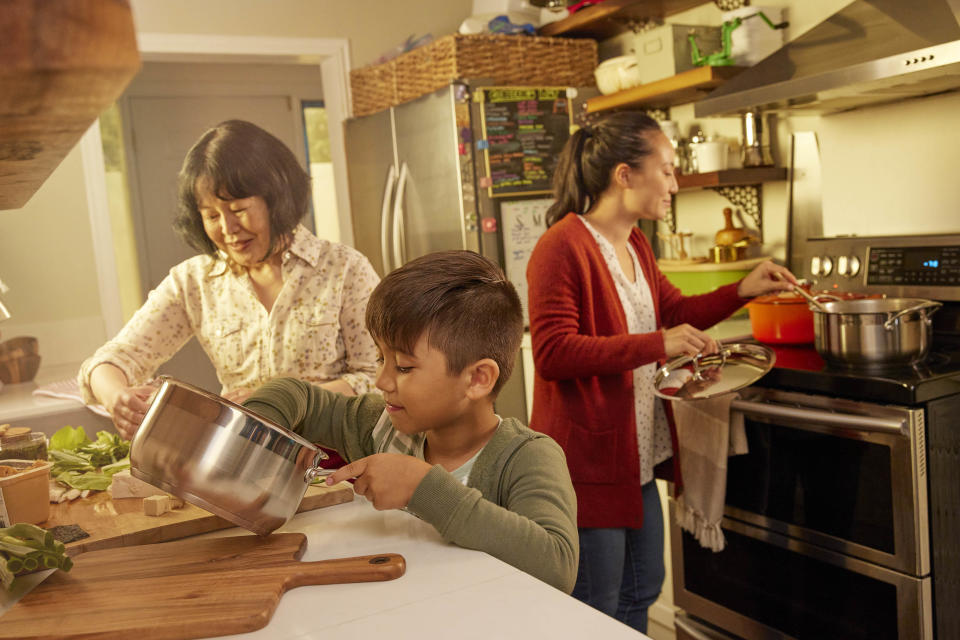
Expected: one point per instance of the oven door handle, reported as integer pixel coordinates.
(819, 416)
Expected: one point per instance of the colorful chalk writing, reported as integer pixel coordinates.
(525, 129)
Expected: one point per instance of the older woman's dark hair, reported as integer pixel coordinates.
(242, 160)
(589, 156)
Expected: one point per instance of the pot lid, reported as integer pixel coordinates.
(736, 366)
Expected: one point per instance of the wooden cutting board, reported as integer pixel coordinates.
(121, 522)
(183, 589)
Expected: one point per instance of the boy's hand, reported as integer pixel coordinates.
(388, 480)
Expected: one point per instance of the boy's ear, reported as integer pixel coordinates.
(484, 374)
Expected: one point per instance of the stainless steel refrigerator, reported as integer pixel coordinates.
(435, 173)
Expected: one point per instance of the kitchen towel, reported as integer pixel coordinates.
(707, 436)
(68, 390)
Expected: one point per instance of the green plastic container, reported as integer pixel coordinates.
(704, 277)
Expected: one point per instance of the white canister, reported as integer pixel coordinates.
(710, 155)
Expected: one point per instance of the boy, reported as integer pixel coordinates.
(448, 327)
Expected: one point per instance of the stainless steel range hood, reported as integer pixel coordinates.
(870, 52)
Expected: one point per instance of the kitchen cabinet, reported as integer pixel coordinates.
(611, 17)
(61, 64)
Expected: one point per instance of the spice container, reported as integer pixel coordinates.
(22, 444)
(24, 491)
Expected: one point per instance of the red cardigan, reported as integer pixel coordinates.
(584, 358)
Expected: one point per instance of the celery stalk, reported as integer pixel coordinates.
(14, 565)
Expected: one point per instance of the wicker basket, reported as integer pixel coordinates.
(504, 59)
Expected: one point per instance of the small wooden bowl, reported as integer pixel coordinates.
(19, 359)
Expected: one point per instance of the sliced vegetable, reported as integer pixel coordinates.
(27, 547)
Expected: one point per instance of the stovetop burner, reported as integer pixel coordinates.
(800, 368)
(920, 369)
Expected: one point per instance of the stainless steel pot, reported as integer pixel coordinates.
(222, 457)
(875, 331)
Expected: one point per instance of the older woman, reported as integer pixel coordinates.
(264, 298)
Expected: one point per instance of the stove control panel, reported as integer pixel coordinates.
(933, 266)
(904, 266)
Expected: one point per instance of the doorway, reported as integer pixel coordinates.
(163, 111)
(330, 55)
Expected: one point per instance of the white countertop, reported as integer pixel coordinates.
(447, 591)
(20, 407)
(732, 330)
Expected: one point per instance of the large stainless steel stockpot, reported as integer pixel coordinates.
(874, 332)
(222, 457)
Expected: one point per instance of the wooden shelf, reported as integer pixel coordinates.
(612, 17)
(682, 88)
(730, 177)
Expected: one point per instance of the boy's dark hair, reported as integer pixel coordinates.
(460, 300)
(242, 160)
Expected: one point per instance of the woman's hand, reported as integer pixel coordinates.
(127, 408)
(763, 279)
(388, 480)
(126, 404)
(687, 340)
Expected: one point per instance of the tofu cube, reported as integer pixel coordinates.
(156, 505)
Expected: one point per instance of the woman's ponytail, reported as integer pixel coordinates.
(568, 189)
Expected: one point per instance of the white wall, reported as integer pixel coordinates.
(46, 259)
(887, 170)
(46, 254)
(373, 26)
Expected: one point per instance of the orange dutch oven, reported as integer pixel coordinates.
(786, 318)
(781, 318)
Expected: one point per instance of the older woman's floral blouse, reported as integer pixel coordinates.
(315, 330)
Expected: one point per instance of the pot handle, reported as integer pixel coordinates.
(316, 472)
(928, 307)
(825, 296)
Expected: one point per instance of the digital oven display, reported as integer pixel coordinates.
(931, 266)
(922, 258)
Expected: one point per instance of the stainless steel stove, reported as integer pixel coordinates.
(904, 266)
(843, 519)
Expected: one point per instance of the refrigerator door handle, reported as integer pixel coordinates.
(396, 236)
(385, 226)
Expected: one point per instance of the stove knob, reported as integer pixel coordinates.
(842, 266)
(826, 265)
(815, 265)
(854, 266)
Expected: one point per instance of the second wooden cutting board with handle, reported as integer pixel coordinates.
(183, 589)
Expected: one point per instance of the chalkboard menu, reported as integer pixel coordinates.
(524, 131)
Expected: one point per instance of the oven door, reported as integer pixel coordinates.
(844, 475)
(766, 586)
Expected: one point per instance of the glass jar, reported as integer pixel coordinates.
(20, 443)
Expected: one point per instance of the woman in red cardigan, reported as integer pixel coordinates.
(601, 317)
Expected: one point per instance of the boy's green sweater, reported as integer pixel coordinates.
(518, 505)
